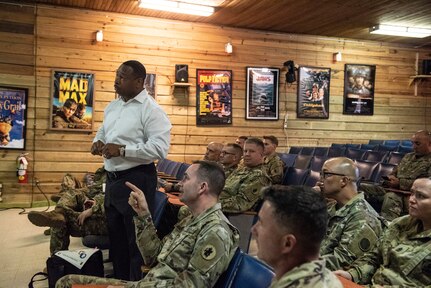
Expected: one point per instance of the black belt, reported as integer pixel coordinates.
(120, 174)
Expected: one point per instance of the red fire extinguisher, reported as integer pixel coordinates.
(22, 163)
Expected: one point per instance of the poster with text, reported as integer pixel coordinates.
(262, 93)
(213, 97)
(72, 102)
(359, 82)
(313, 92)
(13, 116)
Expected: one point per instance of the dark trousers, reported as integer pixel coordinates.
(126, 258)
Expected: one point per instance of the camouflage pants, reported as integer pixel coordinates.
(391, 205)
(68, 280)
(72, 202)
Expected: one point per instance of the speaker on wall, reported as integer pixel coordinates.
(426, 67)
(181, 73)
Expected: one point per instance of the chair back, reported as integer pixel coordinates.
(302, 161)
(182, 170)
(367, 146)
(245, 271)
(160, 201)
(395, 158)
(354, 153)
(382, 147)
(392, 142)
(406, 143)
(288, 159)
(376, 142)
(351, 145)
(336, 151)
(366, 169)
(404, 149)
(307, 151)
(382, 169)
(321, 151)
(295, 176)
(375, 156)
(312, 178)
(295, 150)
(317, 163)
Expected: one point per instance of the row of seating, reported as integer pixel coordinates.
(391, 142)
(340, 149)
(167, 168)
(369, 171)
(315, 163)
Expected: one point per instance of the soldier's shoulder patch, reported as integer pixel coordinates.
(363, 241)
(209, 252)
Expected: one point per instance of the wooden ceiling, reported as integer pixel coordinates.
(333, 18)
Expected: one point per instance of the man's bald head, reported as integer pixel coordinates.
(342, 165)
(213, 151)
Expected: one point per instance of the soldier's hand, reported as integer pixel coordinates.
(97, 147)
(111, 150)
(84, 215)
(137, 200)
(343, 274)
(393, 182)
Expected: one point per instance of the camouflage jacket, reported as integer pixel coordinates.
(194, 255)
(352, 230)
(274, 168)
(402, 257)
(229, 170)
(411, 168)
(308, 275)
(242, 189)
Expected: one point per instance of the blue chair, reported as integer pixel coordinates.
(382, 169)
(336, 151)
(394, 158)
(366, 169)
(312, 178)
(295, 176)
(376, 142)
(295, 150)
(375, 156)
(350, 145)
(245, 271)
(307, 151)
(405, 149)
(406, 143)
(288, 159)
(321, 151)
(317, 163)
(162, 164)
(302, 161)
(338, 145)
(354, 153)
(367, 146)
(182, 170)
(392, 142)
(387, 148)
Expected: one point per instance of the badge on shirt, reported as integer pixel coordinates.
(208, 252)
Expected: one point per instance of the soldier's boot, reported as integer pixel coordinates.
(53, 218)
(56, 197)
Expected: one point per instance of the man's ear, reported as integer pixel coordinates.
(289, 242)
(203, 187)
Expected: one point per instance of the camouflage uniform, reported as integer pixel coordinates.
(94, 225)
(394, 205)
(352, 230)
(72, 202)
(274, 168)
(401, 258)
(308, 275)
(194, 255)
(229, 170)
(242, 189)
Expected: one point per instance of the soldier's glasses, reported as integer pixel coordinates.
(325, 174)
(228, 153)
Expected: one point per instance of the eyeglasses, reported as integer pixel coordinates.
(325, 174)
(225, 152)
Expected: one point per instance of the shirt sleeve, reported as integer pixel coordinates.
(147, 240)
(247, 195)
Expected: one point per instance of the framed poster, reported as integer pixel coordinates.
(13, 117)
(213, 97)
(262, 93)
(150, 84)
(72, 101)
(359, 81)
(313, 92)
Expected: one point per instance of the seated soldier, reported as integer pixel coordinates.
(242, 189)
(79, 212)
(291, 225)
(241, 140)
(402, 255)
(273, 164)
(213, 151)
(413, 165)
(230, 156)
(197, 251)
(353, 226)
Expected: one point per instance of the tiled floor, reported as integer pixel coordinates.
(23, 249)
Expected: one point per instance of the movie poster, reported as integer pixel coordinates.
(13, 115)
(213, 97)
(72, 101)
(313, 92)
(262, 93)
(359, 82)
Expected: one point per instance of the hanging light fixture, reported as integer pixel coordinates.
(177, 7)
(391, 30)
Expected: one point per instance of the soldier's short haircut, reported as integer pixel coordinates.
(236, 147)
(138, 68)
(212, 173)
(271, 138)
(301, 211)
(256, 141)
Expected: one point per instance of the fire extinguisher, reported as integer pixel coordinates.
(22, 163)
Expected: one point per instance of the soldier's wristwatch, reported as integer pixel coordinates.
(122, 150)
